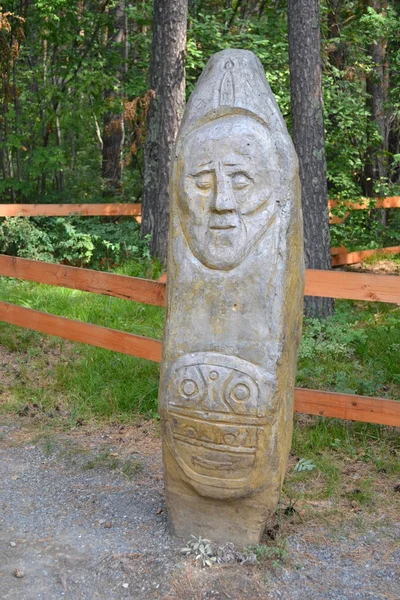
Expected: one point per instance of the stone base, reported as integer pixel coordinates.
(241, 521)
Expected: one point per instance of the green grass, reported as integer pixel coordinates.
(90, 382)
(355, 351)
(375, 258)
(270, 553)
(331, 444)
(106, 460)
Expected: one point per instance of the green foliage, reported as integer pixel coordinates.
(201, 549)
(335, 337)
(340, 353)
(210, 32)
(332, 444)
(21, 237)
(108, 460)
(364, 230)
(304, 465)
(265, 553)
(73, 240)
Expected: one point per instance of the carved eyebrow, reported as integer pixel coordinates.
(202, 172)
(232, 163)
(243, 173)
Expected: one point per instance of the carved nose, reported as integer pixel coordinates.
(224, 200)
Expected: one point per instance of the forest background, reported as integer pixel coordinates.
(75, 96)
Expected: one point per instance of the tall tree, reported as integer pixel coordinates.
(167, 80)
(113, 121)
(377, 88)
(308, 137)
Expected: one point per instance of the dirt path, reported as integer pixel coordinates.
(82, 517)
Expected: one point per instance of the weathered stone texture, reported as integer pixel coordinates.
(234, 305)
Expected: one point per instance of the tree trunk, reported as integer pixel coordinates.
(17, 108)
(59, 176)
(377, 88)
(309, 139)
(335, 49)
(377, 84)
(113, 122)
(167, 79)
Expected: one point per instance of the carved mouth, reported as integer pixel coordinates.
(223, 227)
(211, 464)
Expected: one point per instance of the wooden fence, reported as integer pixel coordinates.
(363, 204)
(340, 256)
(355, 286)
(64, 210)
(128, 209)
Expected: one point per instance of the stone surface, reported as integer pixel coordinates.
(234, 305)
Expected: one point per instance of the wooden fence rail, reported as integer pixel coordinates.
(86, 280)
(64, 210)
(329, 284)
(364, 204)
(357, 286)
(350, 258)
(131, 209)
(77, 331)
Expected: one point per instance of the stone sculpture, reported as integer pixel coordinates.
(234, 305)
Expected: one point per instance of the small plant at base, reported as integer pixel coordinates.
(304, 465)
(201, 547)
(264, 553)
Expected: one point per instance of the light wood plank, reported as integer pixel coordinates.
(347, 406)
(364, 203)
(339, 250)
(329, 284)
(126, 209)
(333, 220)
(353, 286)
(64, 210)
(95, 335)
(354, 257)
(98, 282)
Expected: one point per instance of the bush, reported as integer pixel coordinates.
(21, 237)
(90, 242)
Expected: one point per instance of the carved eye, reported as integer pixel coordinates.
(240, 181)
(204, 181)
(189, 387)
(240, 392)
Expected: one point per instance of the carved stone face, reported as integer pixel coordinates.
(230, 171)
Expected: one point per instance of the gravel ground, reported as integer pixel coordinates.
(75, 526)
